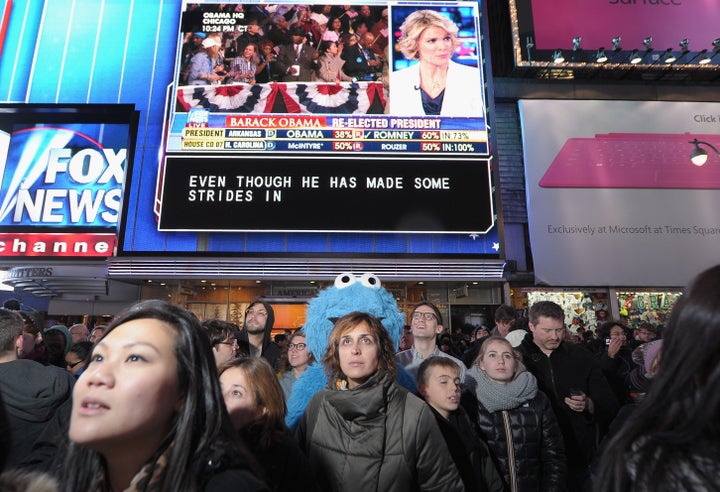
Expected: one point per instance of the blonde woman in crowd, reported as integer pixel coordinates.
(516, 420)
(434, 84)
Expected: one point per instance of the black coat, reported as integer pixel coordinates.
(284, 466)
(469, 452)
(525, 442)
(573, 367)
(617, 371)
(356, 62)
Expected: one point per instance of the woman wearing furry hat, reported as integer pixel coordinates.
(365, 432)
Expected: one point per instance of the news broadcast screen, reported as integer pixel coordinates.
(381, 106)
(323, 78)
(62, 169)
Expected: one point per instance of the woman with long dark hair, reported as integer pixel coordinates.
(671, 442)
(148, 413)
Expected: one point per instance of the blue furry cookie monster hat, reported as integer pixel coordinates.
(349, 293)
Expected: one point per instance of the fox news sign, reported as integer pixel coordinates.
(61, 174)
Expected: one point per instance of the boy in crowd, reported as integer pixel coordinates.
(439, 384)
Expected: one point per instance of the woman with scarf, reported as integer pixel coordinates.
(148, 413)
(516, 420)
(365, 432)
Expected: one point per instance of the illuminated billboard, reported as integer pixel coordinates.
(638, 32)
(374, 92)
(374, 113)
(62, 169)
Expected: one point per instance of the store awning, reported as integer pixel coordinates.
(399, 269)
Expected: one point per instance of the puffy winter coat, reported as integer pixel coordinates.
(526, 443)
(376, 437)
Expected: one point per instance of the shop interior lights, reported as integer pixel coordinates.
(646, 54)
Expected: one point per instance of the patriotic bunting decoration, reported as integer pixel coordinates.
(291, 97)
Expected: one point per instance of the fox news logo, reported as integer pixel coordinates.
(78, 184)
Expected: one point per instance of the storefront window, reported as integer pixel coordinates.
(650, 307)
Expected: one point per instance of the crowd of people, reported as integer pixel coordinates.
(158, 401)
(290, 43)
(339, 43)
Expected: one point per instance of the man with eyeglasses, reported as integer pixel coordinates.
(425, 324)
(255, 338)
(222, 339)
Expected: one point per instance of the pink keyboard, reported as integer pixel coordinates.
(625, 160)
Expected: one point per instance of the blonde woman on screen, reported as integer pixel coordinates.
(435, 85)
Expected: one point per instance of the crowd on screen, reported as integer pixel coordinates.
(287, 42)
(158, 400)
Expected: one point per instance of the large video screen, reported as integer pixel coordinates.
(381, 106)
(62, 169)
(390, 78)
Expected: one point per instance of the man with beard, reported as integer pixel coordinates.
(254, 339)
(581, 397)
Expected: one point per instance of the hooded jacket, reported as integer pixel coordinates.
(270, 350)
(32, 394)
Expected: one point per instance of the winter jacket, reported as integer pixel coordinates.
(284, 466)
(617, 370)
(470, 452)
(376, 437)
(572, 367)
(32, 394)
(525, 442)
